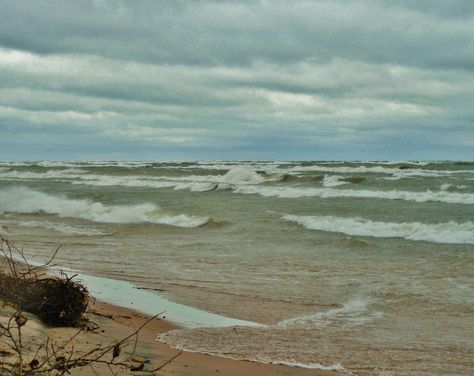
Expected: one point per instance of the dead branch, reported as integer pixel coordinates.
(58, 301)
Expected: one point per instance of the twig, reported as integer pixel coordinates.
(167, 362)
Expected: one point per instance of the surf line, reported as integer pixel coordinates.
(128, 295)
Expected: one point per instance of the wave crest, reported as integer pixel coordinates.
(25, 200)
(449, 232)
(297, 192)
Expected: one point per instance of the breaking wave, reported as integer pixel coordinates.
(401, 171)
(196, 183)
(333, 181)
(25, 200)
(70, 173)
(330, 181)
(295, 192)
(449, 232)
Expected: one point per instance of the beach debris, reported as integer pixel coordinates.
(34, 364)
(137, 368)
(20, 319)
(57, 301)
(116, 351)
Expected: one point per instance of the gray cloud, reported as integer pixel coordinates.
(303, 79)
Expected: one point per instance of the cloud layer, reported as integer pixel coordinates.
(236, 79)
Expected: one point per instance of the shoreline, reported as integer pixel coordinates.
(115, 323)
(188, 363)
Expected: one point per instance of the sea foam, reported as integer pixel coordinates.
(25, 200)
(333, 181)
(59, 227)
(449, 232)
(354, 312)
(69, 173)
(196, 183)
(378, 170)
(297, 192)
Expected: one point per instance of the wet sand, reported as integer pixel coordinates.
(116, 323)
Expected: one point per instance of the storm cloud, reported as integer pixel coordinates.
(236, 79)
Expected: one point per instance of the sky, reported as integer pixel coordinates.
(251, 80)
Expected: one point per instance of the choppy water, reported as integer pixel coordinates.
(367, 268)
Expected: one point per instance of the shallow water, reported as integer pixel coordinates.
(367, 268)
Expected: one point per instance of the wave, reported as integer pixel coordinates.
(70, 173)
(197, 183)
(333, 181)
(389, 163)
(240, 174)
(241, 180)
(59, 227)
(354, 312)
(452, 187)
(25, 200)
(330, 181)
(173, 340)
(400, 172)
(295, 192)
(74, 164)
(354, 179)
(124, 181)
(449, 232)
(294, 363)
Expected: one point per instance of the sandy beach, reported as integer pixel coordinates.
(116, 323)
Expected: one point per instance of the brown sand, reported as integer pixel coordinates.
(116, 323)
(187, 363)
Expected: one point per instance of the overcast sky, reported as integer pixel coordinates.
(336, 79)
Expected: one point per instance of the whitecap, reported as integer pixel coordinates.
(297, 192)
(333, 181)
(448, 232)
(396, 172)
(241, 175)
(25, 200)
(70, 173)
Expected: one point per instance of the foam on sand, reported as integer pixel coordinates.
(25, 200)
(449, 232)
(126, 294)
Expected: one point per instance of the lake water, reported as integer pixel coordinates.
(362, 267)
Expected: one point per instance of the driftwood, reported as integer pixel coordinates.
(56, 301)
